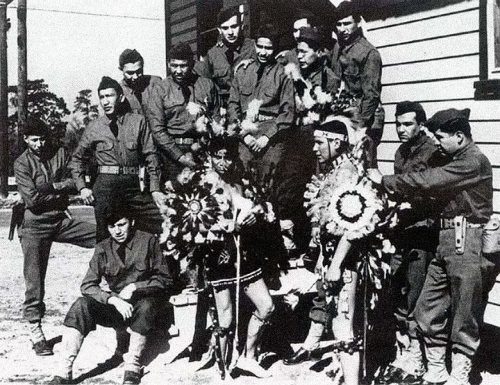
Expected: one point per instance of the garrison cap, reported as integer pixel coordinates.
(129, 56)
(346, 9)
(181, 51)
(36, 127)
(407, 106)
(107, 82)
(227, 13)
(447, 119)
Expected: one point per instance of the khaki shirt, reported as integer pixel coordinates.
(169, 117)
(44, 183)
(143, 265)
(132, 147)
(274, 89)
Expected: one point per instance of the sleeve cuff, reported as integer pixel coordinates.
(80, 184)
(154, 185)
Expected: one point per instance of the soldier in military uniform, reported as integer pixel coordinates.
(360, 67)
(137, 87)
(264, 82)
(173, 124)
(44, 184)
(416, 242)
(450, 308)
(230, 50)
(121, 142)
(299, 161)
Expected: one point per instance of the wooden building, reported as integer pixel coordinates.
(442, 53)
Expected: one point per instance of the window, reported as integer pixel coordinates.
(488, 87)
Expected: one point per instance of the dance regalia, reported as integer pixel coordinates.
(201, 229)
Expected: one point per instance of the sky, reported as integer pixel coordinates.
(73, 43)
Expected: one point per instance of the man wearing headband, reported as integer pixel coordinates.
(131, 263)
(172, 123)
(121, 142)
(416, 243)
(231, 49)
(449, 311)
(44, 183)
(330, 145)
(137, 87)
(360, 66)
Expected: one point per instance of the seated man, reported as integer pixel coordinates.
(136, 272)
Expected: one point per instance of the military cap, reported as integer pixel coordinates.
(450, 120)
(346, 9)
(407, 106)
(129, 56)
(227, 13)
(311, 36)
(107, 82)
(36, 127)
(181, 51)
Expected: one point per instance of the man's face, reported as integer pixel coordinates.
(230, 30)
(120, 230)
(306, 55)
(179, 69)
(301, 23)
(132, 72)
(346, 27)
(108, 98)
(221, 161)
(325, 149)
(448, 143)
(35, 143)
(264, 49)
(407, 126)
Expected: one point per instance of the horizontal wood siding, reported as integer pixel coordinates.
(433, 57)
(183, 19)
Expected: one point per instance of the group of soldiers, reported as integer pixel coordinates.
(439, 276)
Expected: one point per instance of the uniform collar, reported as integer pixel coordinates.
(356, 38)
(129, 243)
(415, 143)
(463, 150)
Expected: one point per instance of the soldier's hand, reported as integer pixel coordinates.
(87, 196)
(122, 306)
(187, 160)
(128, 291)
(374, 175)
(261, 143)
(159, 198)
(249, 140)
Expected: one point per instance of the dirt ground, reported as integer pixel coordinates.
(67, 266)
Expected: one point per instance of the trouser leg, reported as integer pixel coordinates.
(77, 233)
(36, 252)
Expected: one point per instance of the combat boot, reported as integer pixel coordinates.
(460, 369)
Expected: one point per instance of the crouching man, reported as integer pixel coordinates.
(136, 273)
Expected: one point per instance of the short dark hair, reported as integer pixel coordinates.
(268, 31)
(310, 36)
(218, 143)
(346, 9)
(116, 211)
(107, 82)
(129, 56)
(35, 127)
(227, 13)
(407, 106)
(181, 51)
